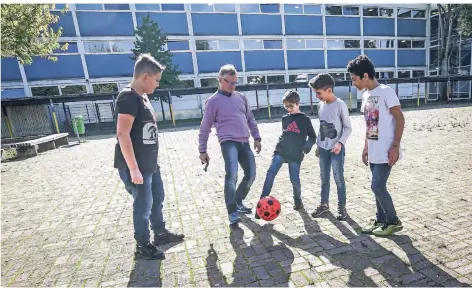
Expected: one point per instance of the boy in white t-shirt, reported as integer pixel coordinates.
(385, 123)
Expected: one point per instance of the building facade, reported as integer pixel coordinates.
(268, 43)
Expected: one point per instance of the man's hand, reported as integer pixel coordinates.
(317, 152)
(393, 155)
(337, 148)
(204, 158)
(136, 176)
(257, 146)
(365, 156)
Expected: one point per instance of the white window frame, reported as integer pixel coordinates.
(263, 46)
(411, 10)
(303, 9)
(265, 13)
(217, 44)
(214, 8)
(378, 12)
(342, 10)
(344, 44)
(383, 39)
(411, 44)
(109, 44)
(304, 43)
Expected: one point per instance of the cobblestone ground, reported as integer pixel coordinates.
(66, 218)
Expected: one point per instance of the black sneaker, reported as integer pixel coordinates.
(243, 209)
(342, 212)
(149, 252)
(298, 204)
(323, 208)
(167, 237)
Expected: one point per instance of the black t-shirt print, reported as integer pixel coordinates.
(144, 132)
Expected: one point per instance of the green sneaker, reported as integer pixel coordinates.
(374, 224)
(388, 229)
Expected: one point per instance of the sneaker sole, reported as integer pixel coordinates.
(395, 230)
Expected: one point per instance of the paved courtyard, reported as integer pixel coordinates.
(66, 219)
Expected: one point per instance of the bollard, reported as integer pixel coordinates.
(54, 116)
(350, 98)
(171, 109)
(268, 101)
(257, 103)
(311, 102)
(418, 94)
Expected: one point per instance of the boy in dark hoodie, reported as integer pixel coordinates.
(291, 147)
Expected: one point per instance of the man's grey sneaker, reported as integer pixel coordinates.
(374, 224)
(243, 209)
(167, 237)
(388, 229)
(298, 204)
(149, 252)
(342, 212)
(323, 208)
(234, 218)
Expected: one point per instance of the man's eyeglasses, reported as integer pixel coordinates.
(231, 82)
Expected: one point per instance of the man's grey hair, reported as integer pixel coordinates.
(227, 69)
(147, 64)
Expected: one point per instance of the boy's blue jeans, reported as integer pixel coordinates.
(234, 153)
(385, 209)
(294, 172)
(328, 160)
(147, 206)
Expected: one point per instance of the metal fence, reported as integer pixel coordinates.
(47, 115)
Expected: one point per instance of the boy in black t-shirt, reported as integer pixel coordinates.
(136, 157)
(296, 127)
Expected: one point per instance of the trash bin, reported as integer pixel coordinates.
(79, 124)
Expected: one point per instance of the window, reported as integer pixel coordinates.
(213, 8)
(338, 76)
(89, 6)
(292, 78)
(418, 73)
(213, 82)
(342, 10)
(408, 44)
(384, 75)
(262, 79)
(172, 7)
(343, 44)
(59, 6)
(116, 6)
(304, 44)
(94, 47)
(177, 45)
(186, 84)
(45, 91)
(71, 48)
(404, 74)
(275, 79)
(221, 45)
(408, 13)
(465, 53)
(148, 7)
(260, 8)
(377, 12)
(73, 89)
(302, 9)
(379, 44)
(262, 44)
(105, 87)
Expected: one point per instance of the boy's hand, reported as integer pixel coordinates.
(257, 146)
(204, 158)
(136, 176)
(365, 156)
(393, 155)
(337, 148)
(317, 152)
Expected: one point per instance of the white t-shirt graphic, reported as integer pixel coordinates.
(380, 122)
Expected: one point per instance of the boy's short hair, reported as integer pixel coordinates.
(227, 69)
(322, 81)
(291, 96)
(360, 65)
(147, 64)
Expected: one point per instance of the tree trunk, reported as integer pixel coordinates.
(443, 85)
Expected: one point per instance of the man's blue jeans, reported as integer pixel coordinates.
(328, 160)
(234, 153)
(147, 206)
(385, 209)
(293, 170)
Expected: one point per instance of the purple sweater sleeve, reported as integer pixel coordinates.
(251, 121)
(205, 127)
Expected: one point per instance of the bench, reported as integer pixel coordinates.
(31, 148)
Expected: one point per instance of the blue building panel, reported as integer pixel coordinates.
(109, 65)
(408, 58)
(261, 24)
(305, 59)
(382, 58)
(66, 22)
(105, 23)
(379, 27)
(13, 93)
(411, 27)
(10, 70)
(66, 67)
(303, 25)
(183, 60)
(264, 60)
(336, 25)
(340, 58)
(214, 24)
(212, 61)
(170, 23)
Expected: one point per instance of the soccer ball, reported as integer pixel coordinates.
(268, 208)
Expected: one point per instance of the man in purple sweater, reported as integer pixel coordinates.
(232, 116)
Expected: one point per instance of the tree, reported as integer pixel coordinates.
(151, 39)
(27, 31)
